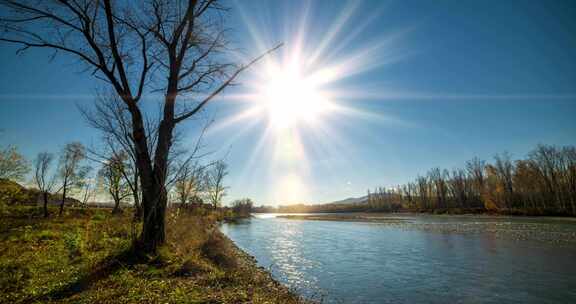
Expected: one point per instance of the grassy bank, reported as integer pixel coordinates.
(85, 256)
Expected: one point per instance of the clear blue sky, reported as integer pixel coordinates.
(453, 80)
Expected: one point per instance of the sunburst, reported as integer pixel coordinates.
(299, 91)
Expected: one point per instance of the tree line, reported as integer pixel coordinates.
(69, 177)
(543, 183)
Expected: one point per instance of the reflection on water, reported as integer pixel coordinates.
(425, 260)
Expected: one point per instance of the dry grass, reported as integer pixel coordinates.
(85, 257)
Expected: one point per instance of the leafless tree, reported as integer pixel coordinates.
(189, 184)
(12, 164)
(87, 190)
(176, 44)
(112, 178)
(216, 189)
(475, 169)
(242, 207)
(111, 116)
(42, 178)
(459, 188)
(70, 169)
(504, 172)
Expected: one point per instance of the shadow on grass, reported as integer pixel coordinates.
(104, 269)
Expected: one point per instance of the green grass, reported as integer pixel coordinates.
(86, 257)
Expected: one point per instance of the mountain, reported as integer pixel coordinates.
(351, 200)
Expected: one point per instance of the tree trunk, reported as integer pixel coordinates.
(116, 209)
(137, 207)
(136, 196)
(153, 233)
(152, 203)
(45, 196)
(62, 203)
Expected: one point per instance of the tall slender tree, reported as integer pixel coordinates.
(70, 170)
(112, 178)
(216, 189)
(42, 178)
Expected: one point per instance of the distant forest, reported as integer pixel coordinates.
(544, 183)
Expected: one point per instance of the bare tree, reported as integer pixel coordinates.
(12, 164)
(87, 191)
(504, 172)
(177, 44)
(70, 171)
(215, 183)
(475, 169)
(242, 207)
(112, 178)
(111, 116)
(188, 184)
(459, 188)
(41, 177)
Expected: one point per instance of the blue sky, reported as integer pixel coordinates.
(449, 80)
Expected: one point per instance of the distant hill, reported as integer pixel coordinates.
(351, 200)
(12, 192)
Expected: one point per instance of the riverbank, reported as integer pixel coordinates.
(402, 217)
(85, 256)
(351, 217)
(363, 209)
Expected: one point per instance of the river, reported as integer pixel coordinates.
(421, 259)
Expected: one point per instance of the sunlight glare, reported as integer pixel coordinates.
(291, 97)
(304, 93)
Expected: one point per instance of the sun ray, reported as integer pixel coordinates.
(299, 94)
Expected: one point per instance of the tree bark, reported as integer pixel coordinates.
(153, 233)
(154, 199)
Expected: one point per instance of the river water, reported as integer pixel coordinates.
(418, 259)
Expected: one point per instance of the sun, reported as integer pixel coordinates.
(291, 97)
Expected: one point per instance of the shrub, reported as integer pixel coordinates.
(192, 267)
(46, 235)
(218, 251)
(73, 243)
(13, 277)
(98, 216)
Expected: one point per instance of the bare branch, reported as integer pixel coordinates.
(224, 85)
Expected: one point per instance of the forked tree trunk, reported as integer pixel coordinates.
(155, 198)
(152, 179)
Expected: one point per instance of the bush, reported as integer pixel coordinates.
(13, 277)
(99, 216)
(73, 242)
(218, 251)
(46, 235)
